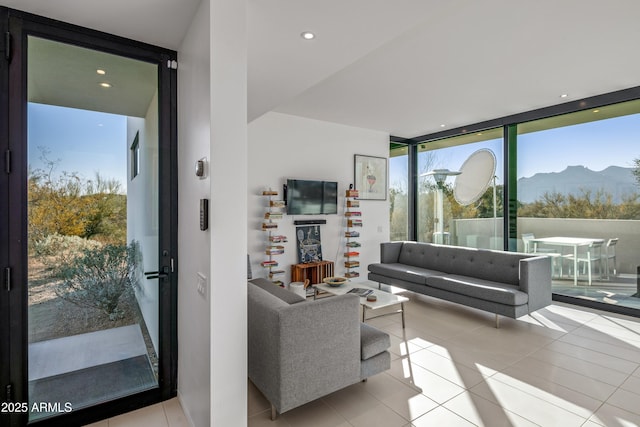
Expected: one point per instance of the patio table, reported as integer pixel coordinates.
(569, 242)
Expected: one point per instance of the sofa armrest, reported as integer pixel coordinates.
(390, 252)
(535, 280)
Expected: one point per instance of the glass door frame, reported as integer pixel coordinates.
(20, 26)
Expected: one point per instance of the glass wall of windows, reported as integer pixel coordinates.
(399, 191)
(460, 182)
(571, 176)
(578, 198)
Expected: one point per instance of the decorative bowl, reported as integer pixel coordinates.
(335, 281)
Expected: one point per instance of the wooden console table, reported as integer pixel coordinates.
(314, 271)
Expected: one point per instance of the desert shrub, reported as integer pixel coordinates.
(98, 277)
(55, 251)
(54, 244)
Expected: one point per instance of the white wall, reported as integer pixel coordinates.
(228, 77)
(283, 146)
(212, 122)
(194, 136)
(142, 212)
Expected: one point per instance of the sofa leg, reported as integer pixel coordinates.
(497, 321)
(274, 413)
(365, 380)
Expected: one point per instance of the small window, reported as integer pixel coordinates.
(135, 156)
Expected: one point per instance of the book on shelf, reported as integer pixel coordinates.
(351, 254)
(351, 193)
(270, 263)
(273, 215)
(353, 213)
(351, 234)
(274, 251)
(352, 264)
(353, 203)
(269, 225)
(278, 239)
(361, 292)
(351, 274)
(354, 223)
(274, 273)
(276, 203)
(353, 245)
(269, 193)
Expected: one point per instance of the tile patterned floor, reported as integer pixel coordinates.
(562, 366)
(165, 414)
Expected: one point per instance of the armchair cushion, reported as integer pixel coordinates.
(372, 341)
(275, 290)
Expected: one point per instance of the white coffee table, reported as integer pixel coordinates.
(385, 299)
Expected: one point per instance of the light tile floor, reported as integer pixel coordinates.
(562, 366)
(165, 414)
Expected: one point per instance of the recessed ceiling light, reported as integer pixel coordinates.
(101, 72)
(308, 35)
(105, 84)
(442, 126)
(479, 133)
(596, 111)
(564, 95)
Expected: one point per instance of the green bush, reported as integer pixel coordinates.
(98, 277)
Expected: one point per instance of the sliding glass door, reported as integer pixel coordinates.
(579, 183)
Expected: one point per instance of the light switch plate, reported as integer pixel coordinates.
(202, 285)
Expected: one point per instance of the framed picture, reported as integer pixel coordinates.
(309, 246)
(370, 177)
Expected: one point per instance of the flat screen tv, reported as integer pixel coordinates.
(306, 197)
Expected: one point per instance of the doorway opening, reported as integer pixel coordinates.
(93, 225)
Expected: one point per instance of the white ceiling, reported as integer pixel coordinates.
(65, 75)
(402, 66)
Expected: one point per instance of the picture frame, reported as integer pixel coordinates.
(370, 177)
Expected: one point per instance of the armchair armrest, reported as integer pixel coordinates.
(300, 352)
(535, 280)
(320, 349)
(390, 252)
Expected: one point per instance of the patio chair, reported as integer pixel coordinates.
(587, 259)
(528, 247)
(610, 254)
(556, 257)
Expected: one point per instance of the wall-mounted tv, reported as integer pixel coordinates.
(306, 197)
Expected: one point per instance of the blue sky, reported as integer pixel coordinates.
(595, 145)
(86, 142)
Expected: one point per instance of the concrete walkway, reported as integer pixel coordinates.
(68, 354)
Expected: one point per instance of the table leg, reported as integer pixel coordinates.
(402, 313)
(364, 308)
(575, 265)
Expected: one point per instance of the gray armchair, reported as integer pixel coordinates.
(302, 350)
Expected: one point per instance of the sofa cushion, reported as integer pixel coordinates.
(409, 273)
(487, 290)
(497, 266)
(275, 290)
(418, 254)
(372, 341)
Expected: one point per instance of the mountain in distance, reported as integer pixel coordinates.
(575, 180)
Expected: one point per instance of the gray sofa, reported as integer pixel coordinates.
(302, 350)
(505, 283)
